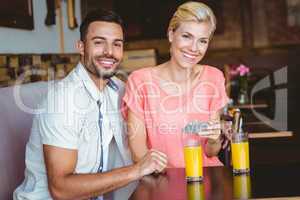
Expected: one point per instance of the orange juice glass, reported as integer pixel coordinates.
(240, 153)
(193, 158)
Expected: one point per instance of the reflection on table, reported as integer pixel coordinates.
(263, 182)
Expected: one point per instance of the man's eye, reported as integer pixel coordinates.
(98, 42)
(118, 44)
(203, 41)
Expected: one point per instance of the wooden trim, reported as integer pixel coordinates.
(72, 23)
(61, 26)
(270, 134)
(249, 106)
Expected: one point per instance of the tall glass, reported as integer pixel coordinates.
(240, 153)
(193, 157)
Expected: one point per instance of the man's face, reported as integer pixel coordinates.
(102, 50)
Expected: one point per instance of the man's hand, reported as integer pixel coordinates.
(153, 161)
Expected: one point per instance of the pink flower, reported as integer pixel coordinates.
(240, 70)
(243, 70)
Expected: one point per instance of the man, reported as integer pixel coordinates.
(77, 148)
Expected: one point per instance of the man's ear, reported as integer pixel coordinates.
(80, 47)
(170, 35)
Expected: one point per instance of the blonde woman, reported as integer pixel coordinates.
(160, 100)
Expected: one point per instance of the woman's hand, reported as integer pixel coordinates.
(214, 139)
(226, 133)
(212, 130)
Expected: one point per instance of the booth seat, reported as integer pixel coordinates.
(17, 105)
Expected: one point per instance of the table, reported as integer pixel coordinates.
(264, 181)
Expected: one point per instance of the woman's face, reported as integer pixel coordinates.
(189, 42)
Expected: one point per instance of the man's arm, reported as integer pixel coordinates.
(63, 184)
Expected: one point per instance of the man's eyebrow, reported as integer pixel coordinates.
(119, 40)
(103, 38)
(98, 37)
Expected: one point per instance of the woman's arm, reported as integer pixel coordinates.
(213, 145)
(137, 136)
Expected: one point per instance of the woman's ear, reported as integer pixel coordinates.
(170, 35)
(80, 47)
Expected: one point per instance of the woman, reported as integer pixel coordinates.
(161, 100)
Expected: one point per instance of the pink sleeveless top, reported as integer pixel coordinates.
(166, 114)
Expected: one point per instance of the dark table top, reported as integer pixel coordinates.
(264, 181)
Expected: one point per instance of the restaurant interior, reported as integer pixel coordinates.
(37, 45)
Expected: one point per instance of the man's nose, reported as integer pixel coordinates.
(108, 49)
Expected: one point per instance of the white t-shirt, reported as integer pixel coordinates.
(68, 118)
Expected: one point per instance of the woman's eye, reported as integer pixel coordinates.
(185, 36)
(203, 41)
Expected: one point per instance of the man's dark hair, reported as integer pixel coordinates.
(99, 15)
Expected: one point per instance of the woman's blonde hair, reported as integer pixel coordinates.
(192, 11)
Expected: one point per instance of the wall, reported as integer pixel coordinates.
(42, 39)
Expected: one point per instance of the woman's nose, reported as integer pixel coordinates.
(194, 46)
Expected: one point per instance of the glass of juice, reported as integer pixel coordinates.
(240, 153)
(193, 157)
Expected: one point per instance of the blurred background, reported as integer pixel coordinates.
(37, 39)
